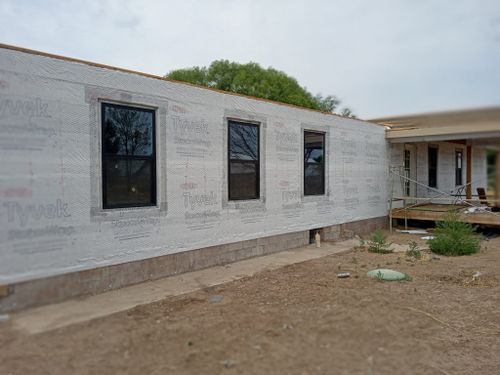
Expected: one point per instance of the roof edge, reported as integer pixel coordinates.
(153, 76)
(443, 113)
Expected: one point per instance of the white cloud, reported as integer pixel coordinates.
(381, 57)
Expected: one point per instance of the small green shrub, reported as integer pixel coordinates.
(454, 237)
(413, 250)
(378, 243)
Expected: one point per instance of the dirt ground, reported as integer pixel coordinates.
(300, 319)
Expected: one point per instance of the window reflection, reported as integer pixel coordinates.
(313, 147)
(127, 131)
(243, 180)
(128, 181)
(314, 167)
(129, 177)
(243, 141)
(244, 167)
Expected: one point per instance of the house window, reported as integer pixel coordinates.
(458, 167)
(244, 161)
(407, 168)
(128, 156)
(314, 163)
(432, 166)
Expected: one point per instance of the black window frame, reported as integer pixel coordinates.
(459, 179)
(432, 172)
(323, 170)
(240, 161)
(105, 157)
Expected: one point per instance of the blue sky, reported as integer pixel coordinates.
(380, 57)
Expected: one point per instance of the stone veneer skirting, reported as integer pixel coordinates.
(53, 289)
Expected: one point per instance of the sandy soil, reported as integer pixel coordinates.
(300, 319)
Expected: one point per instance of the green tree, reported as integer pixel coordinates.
(251, 79)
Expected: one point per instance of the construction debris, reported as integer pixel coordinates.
(343, 275)
(413, 231)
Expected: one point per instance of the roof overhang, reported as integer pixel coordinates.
(468, 126)
(444, 133)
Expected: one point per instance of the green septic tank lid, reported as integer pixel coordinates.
(387, 274)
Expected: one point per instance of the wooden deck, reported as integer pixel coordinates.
(436, 212)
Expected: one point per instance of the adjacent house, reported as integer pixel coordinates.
(438, 161)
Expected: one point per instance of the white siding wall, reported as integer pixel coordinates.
(51, 216)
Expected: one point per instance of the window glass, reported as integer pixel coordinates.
(458, 168)
(313, 147)
(128, 181)
(243, 180)
(127, 131)
(313, 180)
(243, 141)
(407, 170)
(128, 155)
(244, 164)
(314, 163)
(432, 166)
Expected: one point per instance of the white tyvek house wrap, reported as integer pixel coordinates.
(51, 216)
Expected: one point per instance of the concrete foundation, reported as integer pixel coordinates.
(58, 288)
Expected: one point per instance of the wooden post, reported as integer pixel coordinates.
(497, 180)
(468, 188)
(4, 290)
